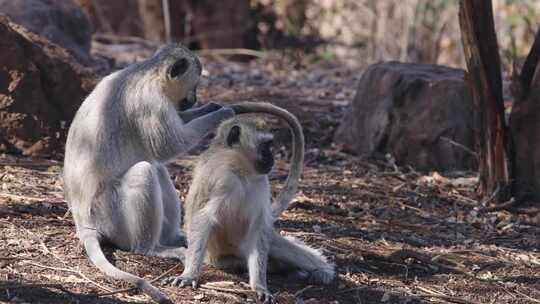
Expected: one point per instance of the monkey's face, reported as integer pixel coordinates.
(265, 157)
(180, 73)
(255, 144)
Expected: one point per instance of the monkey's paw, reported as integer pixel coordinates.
(265, 297)
(212, 106)
(182, 281)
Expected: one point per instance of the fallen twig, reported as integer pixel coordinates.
(512, 203)
(464, 148)
(82, 275)
(432, 294)
(220, 52)
(512, 206)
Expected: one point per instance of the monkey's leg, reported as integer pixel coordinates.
(257, 261)
(171, 234)
(140, 206)
(299, 255)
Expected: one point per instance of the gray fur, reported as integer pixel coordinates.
(115, 179)
(229, 215)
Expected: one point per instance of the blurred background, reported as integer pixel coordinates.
(358, 32)
(394, 186)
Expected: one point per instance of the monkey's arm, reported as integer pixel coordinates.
(193, 113)
(175, 137)
(199, 127)
(257, 261)
(199, 231)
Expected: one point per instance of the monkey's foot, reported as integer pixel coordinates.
(182, 281)
(322, 276)
(264, 296)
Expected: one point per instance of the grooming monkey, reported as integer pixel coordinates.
(229, 214)
(115, 179)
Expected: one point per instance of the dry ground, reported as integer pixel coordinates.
(396, 235)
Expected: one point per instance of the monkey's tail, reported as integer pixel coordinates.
(93, 249)
(297, 160)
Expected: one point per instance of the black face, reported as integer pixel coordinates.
(189, 101)
(265, 158)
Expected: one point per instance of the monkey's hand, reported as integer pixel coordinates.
(211, 107)
(183, 280)
(226, 112)
(191, 114)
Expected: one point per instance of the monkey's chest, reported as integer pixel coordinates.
(237, 228)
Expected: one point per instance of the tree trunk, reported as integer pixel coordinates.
(152, 18)
(525, 127)
(221, 24)
(484, 78)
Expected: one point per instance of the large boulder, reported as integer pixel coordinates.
(41, 87)
(61, 21)
(420, 114)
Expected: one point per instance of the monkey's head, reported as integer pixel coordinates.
(248, 136)
(179, 70)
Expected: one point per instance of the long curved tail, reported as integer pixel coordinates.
(93, 249)
(297, 161)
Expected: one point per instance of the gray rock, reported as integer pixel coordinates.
(61, 21)
(415, 112)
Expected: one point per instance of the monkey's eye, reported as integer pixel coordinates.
(178, 68)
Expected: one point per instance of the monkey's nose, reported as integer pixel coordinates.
(198, 65)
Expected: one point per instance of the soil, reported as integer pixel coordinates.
(395, 235)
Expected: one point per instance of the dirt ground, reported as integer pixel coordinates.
(395, 235)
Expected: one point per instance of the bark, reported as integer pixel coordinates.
(152, 19)
(525, 127)
(484, 78)
(529, 67)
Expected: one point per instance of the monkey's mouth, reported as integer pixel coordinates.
(186, 103)
(264, 166)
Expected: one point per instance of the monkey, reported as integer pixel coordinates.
(229, 216)
(122, 136)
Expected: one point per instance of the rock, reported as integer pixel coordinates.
(525, 133)
(420, 114)
(41, 87)
(61, 21)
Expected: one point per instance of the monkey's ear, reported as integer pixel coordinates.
(178, 68)
(234, 136)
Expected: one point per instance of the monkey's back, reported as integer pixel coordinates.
(95, 146)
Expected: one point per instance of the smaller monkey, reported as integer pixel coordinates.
(229, 215)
